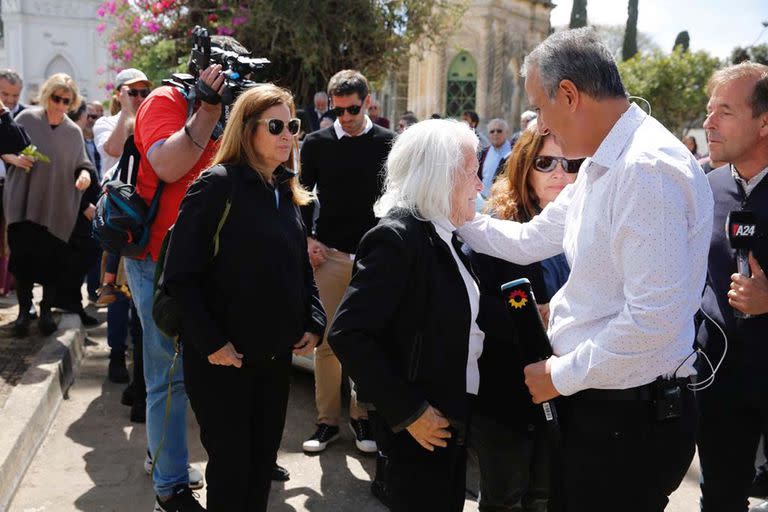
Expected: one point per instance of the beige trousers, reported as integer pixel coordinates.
(332, 278)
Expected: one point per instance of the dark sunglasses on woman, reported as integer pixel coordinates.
(58, 99)
(352, 109)
(543, 163)
(276, 126)
(135, 92)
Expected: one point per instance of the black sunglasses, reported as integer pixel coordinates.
(495, 131)
(352, 109)
(544, 163)
(93, 116)
(276, 126)
(135, 92)
(58, 99)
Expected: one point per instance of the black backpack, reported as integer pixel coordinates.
(166, 311)
(123, 219)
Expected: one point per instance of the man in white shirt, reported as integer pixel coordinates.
(635, 229)
(492, 156)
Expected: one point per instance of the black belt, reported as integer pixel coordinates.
(644, 392)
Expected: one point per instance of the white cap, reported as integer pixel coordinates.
(130, 76)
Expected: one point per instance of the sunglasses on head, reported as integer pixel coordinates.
(135, 92)
(352, 109)
(276, 126)
(544, 163)
(58, 99)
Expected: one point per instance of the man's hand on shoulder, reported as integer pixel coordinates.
(750, 294)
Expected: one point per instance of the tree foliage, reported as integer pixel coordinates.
(629, 49)
(757, 53)
(307, 41)
(613, 37)
(578, 14)
(674, 85)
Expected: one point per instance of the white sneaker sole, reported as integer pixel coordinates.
(367, 446)
(313, 446)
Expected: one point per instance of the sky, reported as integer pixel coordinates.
(716, 26)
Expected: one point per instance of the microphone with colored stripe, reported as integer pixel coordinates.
(743, 233)
(534, 342)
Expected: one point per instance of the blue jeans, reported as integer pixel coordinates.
(171, 466)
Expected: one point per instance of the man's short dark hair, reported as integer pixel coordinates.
(347, 82)
(10, 76)
(472, 115)
(409, 119)
(578, 55)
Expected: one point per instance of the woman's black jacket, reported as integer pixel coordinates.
(259, 291)
(13, 138)
(401, 331)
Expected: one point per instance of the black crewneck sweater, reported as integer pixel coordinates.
(349, 175)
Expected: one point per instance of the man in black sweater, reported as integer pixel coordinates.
(733, 411)
(345, 163)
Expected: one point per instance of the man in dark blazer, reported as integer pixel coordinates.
(317, 111)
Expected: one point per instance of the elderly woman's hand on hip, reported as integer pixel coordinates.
(226, 356)
(306, 344)
(83, 180)
(430, 429)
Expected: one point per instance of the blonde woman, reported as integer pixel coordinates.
(253, 304)
(42, 200)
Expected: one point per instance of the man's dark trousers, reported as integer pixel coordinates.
(729, 430)
(614, 454)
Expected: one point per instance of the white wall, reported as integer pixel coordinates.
(47, 36)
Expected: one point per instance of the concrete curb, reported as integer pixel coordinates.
(33, 404)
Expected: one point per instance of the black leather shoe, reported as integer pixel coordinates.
(139, 412)
(127, 397)
(759, 487)
(280, 474)
(21, 325)
(46, 323)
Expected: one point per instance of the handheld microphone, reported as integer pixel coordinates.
(521, 305)
(742, 230)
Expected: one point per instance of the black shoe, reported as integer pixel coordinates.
(759, 487)
(21, 325)
(128, 395)
(139, 412)
(88, 320)
(380, 492)
(361, 429)
(280, 474)
(32, 312)
(117, 372)
(323, 436)
(183, 500)
(46, 323)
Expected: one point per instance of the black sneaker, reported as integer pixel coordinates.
(21, 325)
(183, 500)
(139, 412)
(127, 398)
(760, 483)
(46, 323)
(280, 474)
(323, 436)
(361, 429)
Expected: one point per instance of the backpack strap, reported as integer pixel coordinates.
(232, 175)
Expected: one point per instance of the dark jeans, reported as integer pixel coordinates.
(514, 466)
(92, 278)
(419, 480)
(113, 262)
(615, 455)
(729, 430)
(241, 413)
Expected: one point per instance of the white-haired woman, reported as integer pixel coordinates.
(406, 329)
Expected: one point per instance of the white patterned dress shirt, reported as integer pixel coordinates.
(635, 228)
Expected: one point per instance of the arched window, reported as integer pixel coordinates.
(59, 65)
(462, 85)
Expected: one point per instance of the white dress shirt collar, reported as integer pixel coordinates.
(341, 133)
(618, 138)
(749, 185)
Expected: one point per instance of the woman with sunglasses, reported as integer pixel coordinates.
(507, 432)
(237, 264)
(41, 199)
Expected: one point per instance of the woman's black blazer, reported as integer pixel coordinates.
(401, 331)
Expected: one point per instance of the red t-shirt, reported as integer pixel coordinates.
(163, 113)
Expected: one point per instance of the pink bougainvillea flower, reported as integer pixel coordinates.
(152, 26)
(109, 87)
(112, 47)
(100, 28)
(101, 11)
(239, 20)
(128, 54)
(225, 31)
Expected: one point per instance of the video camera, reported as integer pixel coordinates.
(237, 68)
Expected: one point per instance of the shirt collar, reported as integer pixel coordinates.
(341, 133)
(444, 228)
(617, 139)
(750, 185)
(504, 150)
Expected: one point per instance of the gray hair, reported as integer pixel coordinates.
(578, 55)
(421, 168)
(320, 95)
(498, 120)
(528, 116)
(10, 76)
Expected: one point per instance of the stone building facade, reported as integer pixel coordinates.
(43, 37)
(478, 68)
